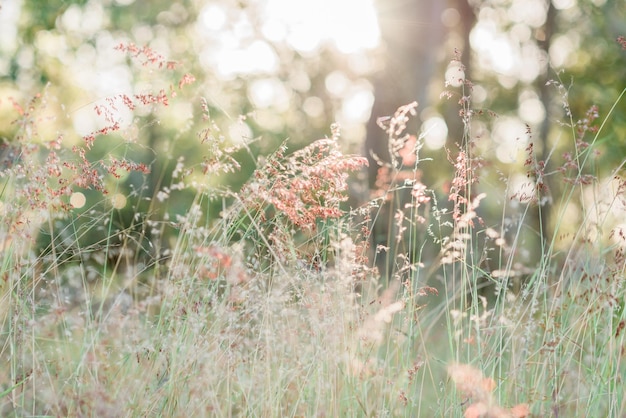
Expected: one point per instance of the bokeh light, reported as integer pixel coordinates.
(78, 200)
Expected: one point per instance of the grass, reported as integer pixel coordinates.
(276, 307)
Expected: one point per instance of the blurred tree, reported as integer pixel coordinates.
(412, 36)
(518, 48)
(259, 79)
(509, 50)
(287, 69)
(416, 39)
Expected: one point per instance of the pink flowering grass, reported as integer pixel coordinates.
(115, 302)
(305, 187)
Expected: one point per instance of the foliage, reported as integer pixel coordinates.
(273, 307)
(136, 282)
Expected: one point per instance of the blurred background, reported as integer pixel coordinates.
(271, 70)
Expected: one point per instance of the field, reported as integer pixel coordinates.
(280, 302)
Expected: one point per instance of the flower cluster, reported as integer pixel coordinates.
(395, 127)
(306, 186)
(472, 384)
(465, 168)
(109, 110)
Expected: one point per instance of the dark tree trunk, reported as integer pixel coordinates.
(412, 35)
(545, 94)
(466, 23)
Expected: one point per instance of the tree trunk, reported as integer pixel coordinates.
(412, 35)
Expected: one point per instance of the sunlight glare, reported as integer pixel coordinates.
(531, 110)
(313, 106)
(78, 200)
(563, 4)
(213, 17)
(8, 30)
(494, 49)
(240, 132)
(435, 132)
(337, 83)
(268, 92)
(258, 57)
(509, 134)
(351, 24)
(357, 105)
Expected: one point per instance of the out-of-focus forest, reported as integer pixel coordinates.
(276, 70)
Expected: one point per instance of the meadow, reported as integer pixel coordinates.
(279, 304)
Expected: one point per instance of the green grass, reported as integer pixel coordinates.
(274, 308)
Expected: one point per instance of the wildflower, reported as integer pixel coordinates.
(306, 186)
(479, 389)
